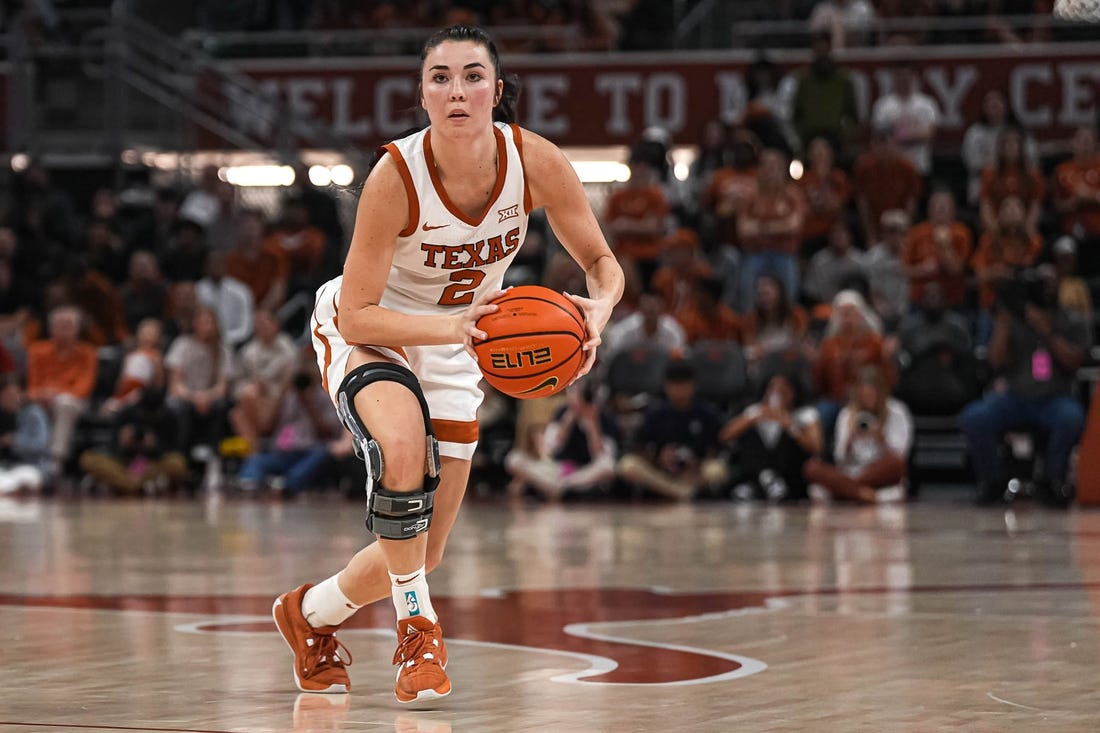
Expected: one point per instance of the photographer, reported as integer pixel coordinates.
(774, 438)
(143, 452)
(1036, 348)
(576, 451)
(874, 433)
(675, 449)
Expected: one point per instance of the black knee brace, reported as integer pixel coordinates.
(391, 515)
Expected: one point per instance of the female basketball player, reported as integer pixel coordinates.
(440, 218)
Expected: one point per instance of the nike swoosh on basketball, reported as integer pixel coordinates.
(551, 382)
(438, 226)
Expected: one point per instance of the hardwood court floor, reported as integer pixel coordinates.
(154, 615)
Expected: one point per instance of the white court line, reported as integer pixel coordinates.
(597, 665)
(1016, 704)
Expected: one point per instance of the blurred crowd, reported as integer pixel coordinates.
(811, 289)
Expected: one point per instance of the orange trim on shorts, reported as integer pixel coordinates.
(328, 354)
(437, 183)
(455, 431)
(410, 189)
(517, 135)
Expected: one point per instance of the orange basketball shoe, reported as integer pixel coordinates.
(421, 658)
(319, 658)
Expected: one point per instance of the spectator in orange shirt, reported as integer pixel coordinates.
(770, 228)
(730, 188)
(827, 192)
(258, 264)
(302, 245)
(1077, 197)
(61, 373)
(1011, 175)
(635, 218)
(853, 339)
(884, 179)
(1001, 253)
(675, 279)
(706, 317)
(937, 250)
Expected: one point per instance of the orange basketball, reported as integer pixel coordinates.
(534, 342)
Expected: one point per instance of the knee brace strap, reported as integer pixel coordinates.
(395, 515)
(390, 514)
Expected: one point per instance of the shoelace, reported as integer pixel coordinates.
(418, 644)
(326, 651)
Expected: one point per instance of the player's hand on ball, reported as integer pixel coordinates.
(596, 315)
(467, 320)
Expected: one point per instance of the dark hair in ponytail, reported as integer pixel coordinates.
(505, 110)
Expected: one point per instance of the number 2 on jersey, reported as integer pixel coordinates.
(462, 291)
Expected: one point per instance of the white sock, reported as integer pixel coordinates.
(410, 595)
(326, 605)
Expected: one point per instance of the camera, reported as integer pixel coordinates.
(864, 422)
(1025, 287)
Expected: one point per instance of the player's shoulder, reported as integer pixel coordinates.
(538, 152)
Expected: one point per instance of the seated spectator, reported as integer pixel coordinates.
(183, 301)
(1037, 348)
(853, 340)
(24, 440)
(831, 268)
(106, 251)
(61, 374)
(145, 294)
(938, 374)
(874, 434)
(773, 324)
(144, 454)
(1002, 252)
(826, 190)
(714, 153)
(1073, 292)
(730, 188)
(705, 316)
(302, 245)
(142, 368)
(910, 115)
(302, 429)
(17, 301)
(937, 250)
(979, 147)
(675, 447)
(1077, 197)
(1010, 175)
(769, 228)
(577, 449)
(97, 298)
(675, 279)
(266, 365)
(635, 217)
(773, 439)
(199, 365)
(230, 298)
(651, 325)
(184, 260)
(257, 262)
(885, 270)
(883, 179)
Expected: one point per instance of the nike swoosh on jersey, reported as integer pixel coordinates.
(551, 382)
(438, 226)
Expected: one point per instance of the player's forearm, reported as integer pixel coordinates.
(378, 326)
(605, 279)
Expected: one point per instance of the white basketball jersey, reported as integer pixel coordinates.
(445, 258)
